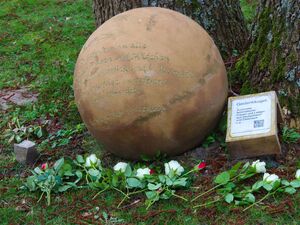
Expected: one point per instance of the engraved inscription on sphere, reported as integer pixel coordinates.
(149, 80)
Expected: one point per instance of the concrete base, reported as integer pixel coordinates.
(268, 145)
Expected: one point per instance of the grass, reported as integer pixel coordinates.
(40, 41)
(39, 44)
(78, 207)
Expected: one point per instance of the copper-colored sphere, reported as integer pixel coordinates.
(150, 80)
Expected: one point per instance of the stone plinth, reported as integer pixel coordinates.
(252, 125)
(26, 152)
(150, 80)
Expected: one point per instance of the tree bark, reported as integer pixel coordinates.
(105, 9)
(223, 20)
(272, 61)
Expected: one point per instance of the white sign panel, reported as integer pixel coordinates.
(251, 116)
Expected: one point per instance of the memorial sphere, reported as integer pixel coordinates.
(150, 80)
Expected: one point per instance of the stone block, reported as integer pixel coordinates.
(253, 125)
(26, 152)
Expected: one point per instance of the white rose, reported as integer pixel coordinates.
(92, 160)
(175, 166)
(120, 166)
(140, 173)
(298, 174)
(266, 175)
(270, 178)
(260, 167)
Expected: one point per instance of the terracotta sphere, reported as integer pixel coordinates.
(150, 80)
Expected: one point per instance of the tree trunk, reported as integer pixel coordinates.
(223, 20)
(105, 9)
(272, 61)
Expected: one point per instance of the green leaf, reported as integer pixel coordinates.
(42, 177)
(63, 141)
(72, 184)
(229, 186)
(229, 198)
(51, 179)
(249, 173)
(114, 180)
(30, 184)
(290, 190)
(18, 138)
(245, 167)
(58, 179)
(257, 185)
(94, 172)
(105, 215)
(162, 178)
(128, 171)
(66, 167)
(180, 182)
(167, 194)
(78, 174)
(39, 132)
(153, 187)
(267, 186)
(172, 174)
(80, 159)
(276, 184)
(222, 178)
(151, 194)
(37, 170)
(66, 170)
(58, 164)
(295, 183)
(68, 173)
(237, 202)
(250, 198)
(64, 188)
(133, 182)
(234, 169)
(169, 182)
(285, 183)
(98, 185)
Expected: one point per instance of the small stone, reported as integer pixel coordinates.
(86, 214)
(26, 152)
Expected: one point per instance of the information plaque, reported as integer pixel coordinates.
(252, 125)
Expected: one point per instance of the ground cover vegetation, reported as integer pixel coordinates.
(39, 44)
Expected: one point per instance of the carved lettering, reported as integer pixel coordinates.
(148, 81)
(176, 73)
